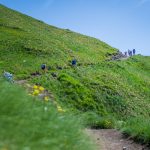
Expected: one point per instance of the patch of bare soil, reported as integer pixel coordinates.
(111, 139)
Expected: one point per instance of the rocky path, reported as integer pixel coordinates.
(111, 139)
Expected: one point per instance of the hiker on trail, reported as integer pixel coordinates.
(125, 53)
(43, 67)
(74, 62)
(133, 51)
(8, 76)
(128, 52)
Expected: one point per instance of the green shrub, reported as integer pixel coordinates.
(76, 93)
(138, 129)
(93, 120)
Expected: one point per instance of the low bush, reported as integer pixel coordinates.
(93, 120)
(138, 129)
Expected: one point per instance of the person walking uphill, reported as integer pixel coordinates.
(74, 62)
(125, 53)
(128, 52)
(43, 67)
(133, 51)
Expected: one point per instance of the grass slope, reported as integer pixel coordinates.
(25, 124)
(26, 38)
(115, 90)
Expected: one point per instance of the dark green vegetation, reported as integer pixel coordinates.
(138, 128)
(25, 124)
(102, 92)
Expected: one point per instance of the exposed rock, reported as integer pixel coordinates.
(118, 56)
(35, 73)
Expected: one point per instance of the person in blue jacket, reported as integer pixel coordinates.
(133, 51)
(74, 62)
(8, 76)
(43, 67)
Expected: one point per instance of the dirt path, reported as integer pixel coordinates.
(111, 139)
(20, 82)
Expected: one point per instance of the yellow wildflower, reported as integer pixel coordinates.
(36, 92)
(60, 109)
(35, 87)
(46, 98)
(41, 89)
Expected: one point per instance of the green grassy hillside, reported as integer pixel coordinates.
(26, 124)
(26, 38)
(112, 90)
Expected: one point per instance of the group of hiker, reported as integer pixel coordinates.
(9, 76)
(130, 52)
(44, 67)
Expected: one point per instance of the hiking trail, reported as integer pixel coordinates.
(27, 86)
(111, 139)
(119, 56)
(106, 139)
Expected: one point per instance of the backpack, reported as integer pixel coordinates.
(8, 76)
(74, 62)
(43, 66)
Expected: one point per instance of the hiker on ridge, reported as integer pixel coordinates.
(125, 53)
(133, 51)
(128, 52)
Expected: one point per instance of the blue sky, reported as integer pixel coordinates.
(124, 24)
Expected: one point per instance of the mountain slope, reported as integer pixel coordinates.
(111, 89)
(25, 35)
